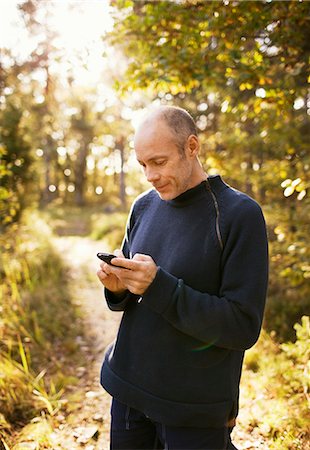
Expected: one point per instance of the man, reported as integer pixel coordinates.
(192, 287)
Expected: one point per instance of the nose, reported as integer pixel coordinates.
(151, 175)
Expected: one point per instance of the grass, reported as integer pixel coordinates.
(38, 329)
(69, 220)
(91, 220)
(39, 326)
(110, 227)
(275, 390)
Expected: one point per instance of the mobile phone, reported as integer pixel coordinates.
(106, 257)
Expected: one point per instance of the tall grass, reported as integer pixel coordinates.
(276, 390)
(38, 327)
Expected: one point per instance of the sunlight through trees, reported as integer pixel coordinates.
(74, 80)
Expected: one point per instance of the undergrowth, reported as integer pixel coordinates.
(38, 344)
(109, 226)
(38, 328)
(275, 390)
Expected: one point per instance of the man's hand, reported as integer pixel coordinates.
(135, 274)
(109, 279)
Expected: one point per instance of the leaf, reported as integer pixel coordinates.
(23, 355)
(84, 434)
(288, 191)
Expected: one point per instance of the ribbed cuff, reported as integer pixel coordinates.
(116, 303)
(161, 292)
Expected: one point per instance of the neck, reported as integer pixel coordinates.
(199, 174)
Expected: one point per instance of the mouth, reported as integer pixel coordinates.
(160, 188)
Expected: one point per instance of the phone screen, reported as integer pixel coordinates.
(106, 257)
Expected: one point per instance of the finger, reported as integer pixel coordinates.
(141, 257)
(123, 263)
(101, 275)
(136, 288)
(105, 267)
(137, 278)
(117, 252)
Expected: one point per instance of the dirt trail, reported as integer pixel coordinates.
(87, 426)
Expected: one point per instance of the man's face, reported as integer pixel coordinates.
(169, 171)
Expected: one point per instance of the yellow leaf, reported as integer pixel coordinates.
(301, 195)
(288, 191)
(296, 182)
(257, 109)
(286, 183)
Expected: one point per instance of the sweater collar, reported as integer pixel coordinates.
(189, 196)
(214, 182)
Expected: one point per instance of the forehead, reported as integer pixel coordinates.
(154, 136)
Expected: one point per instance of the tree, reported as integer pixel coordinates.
(15, 150)
(82, 124)
(241, 69)
(46, 54)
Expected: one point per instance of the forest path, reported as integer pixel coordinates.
(87, 425)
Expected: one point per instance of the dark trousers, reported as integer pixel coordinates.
(132, 430)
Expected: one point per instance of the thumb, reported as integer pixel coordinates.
(117, 252)
(141, 257)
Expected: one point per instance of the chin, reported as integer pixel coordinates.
(166, 196)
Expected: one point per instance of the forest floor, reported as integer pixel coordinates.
(86, 425)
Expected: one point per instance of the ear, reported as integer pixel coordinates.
(193, 145)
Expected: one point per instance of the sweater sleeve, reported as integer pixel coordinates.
(232, 319)
(116, 303)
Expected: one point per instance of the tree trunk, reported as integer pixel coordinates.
(122, 183)
(80, 174)
(46, 196)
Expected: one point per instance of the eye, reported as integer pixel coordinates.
(160, 162)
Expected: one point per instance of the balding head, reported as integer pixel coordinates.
(179, 121)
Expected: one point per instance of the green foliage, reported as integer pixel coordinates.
(15, 162)
(181, 46)
(241, 69)
(297, 373)
(109, 226)
(33, 348)
(288, 298)
(9, 205)
(276, 387)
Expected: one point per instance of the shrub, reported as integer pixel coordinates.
(109, 226)
(275, 385)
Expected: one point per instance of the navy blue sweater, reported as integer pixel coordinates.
(179, 350)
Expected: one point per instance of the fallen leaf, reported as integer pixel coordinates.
(84, 434)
